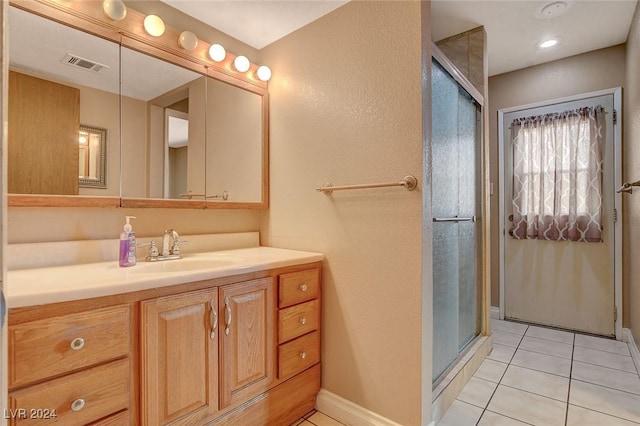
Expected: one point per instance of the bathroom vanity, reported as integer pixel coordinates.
(222, 337)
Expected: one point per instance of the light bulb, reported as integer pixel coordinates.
(241, 63)
(217, 53)
(114, 9)
(264, 73)
(154, 25)
(188, 40)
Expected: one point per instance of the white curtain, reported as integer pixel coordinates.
(557, 176)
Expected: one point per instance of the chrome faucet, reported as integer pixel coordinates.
(170, 247)
(170, 242)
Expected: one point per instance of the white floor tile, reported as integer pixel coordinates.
(542, 362)
(616, 379)
(477, 392)
(527, 407)
(501, 353)
(604, 359)
(550, 334)
(537, 382)
(508, 327)
(578, 416)
(494, 419)
(491, 370)
(461, 414)
(601, 344)
(533, 344)
(506, 339)
(320, 419)
(608, 401)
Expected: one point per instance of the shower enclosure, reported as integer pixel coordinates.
(456, 206)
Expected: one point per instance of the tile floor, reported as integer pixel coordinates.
(318, 419)
(540, 376)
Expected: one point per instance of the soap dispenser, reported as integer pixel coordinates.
(128, 244)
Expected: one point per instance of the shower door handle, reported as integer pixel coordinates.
(455, 219)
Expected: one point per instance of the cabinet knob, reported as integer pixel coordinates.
(303, 320)
(77, 343)
(303, 355)
(303, 287)
(77, 405)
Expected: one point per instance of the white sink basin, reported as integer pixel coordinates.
(193, 263)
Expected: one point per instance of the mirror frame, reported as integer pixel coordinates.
(89, 17)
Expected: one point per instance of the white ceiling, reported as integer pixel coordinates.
(257, 23)
(514, 27)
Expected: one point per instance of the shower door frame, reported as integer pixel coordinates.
(617, 182)
(484, 217)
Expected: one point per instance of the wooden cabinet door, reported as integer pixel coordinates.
(247, 339)
(180, 358)
(44, 126)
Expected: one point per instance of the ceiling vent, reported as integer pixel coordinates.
(85, 64)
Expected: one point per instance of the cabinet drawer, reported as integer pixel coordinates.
(104, 390)
(298, 287)
(121, 419)
(299, 354)
(297, 320)
(53, 346)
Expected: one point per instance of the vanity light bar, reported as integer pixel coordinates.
(154, 26)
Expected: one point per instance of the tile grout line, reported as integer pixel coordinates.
(484, 410)
(566, 412)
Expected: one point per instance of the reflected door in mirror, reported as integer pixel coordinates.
(44, 122)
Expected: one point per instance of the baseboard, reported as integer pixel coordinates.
(633, 348)
(495, 312)
(347, 412)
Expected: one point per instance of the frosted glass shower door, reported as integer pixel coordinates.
(455, 177)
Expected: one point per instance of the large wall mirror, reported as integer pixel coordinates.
(61, 78)
(163, 138)
(168, 133)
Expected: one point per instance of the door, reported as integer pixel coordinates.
(180, 358)
(247, 333)
(455, 198)
(562, 283)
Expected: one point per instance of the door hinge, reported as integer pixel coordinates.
(615, 215)
(615, 313)
(615, 116)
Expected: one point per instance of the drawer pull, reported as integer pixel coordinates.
(77, 343)
(77, 405)
(214, 318)
(303, 287)
(303, 321)
(303, 355)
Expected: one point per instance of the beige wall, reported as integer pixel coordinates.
(345, 102)
(630, 173)
(600, 69)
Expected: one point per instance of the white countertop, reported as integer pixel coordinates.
(37, 286)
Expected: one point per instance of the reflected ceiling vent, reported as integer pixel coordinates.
(85, 64)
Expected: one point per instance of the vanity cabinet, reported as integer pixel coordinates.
(71, 369)
(234, 350)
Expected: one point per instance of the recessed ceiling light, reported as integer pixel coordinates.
(548, 43)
